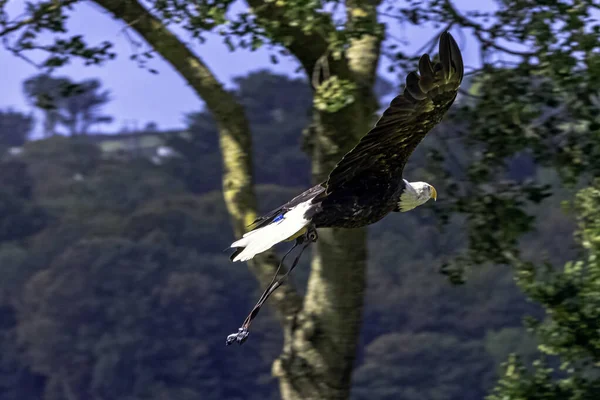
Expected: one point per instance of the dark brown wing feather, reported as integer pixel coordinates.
(382, 153)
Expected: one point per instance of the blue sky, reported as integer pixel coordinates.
(140, 97)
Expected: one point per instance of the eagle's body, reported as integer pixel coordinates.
(355, 210)
(367, 184)
(348, 209)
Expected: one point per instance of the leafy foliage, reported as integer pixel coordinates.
(333, 94)
(533, 97)
(49, 16)
(571, 299)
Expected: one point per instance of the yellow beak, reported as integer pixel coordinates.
(433, 193)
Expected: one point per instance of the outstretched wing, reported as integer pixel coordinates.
(382, 153)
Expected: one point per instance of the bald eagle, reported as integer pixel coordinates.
(367, 184)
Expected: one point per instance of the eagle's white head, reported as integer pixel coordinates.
(415, 194)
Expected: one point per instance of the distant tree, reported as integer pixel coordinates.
(55, 160)
(200, 165)
(83, 109)
(186, 221)
(20, 216)
(151, 127)
(15, 128)
(269, 97)
(278, 110)
(76, 106)
(43, 91)
(17, 380)
(115, 319)
(391, 369)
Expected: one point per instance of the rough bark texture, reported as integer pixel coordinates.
(317, 362)
(234, 136)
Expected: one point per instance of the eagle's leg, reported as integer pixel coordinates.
(242, 334)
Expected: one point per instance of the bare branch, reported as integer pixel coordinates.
(15, 26)
(478, 30)
(19, 54)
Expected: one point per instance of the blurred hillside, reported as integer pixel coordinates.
(114, 279)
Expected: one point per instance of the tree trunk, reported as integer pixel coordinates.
(318, 363)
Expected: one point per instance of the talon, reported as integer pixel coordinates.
(230, 339)
(241, 336)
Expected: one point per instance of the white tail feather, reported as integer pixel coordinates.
(262, 239)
